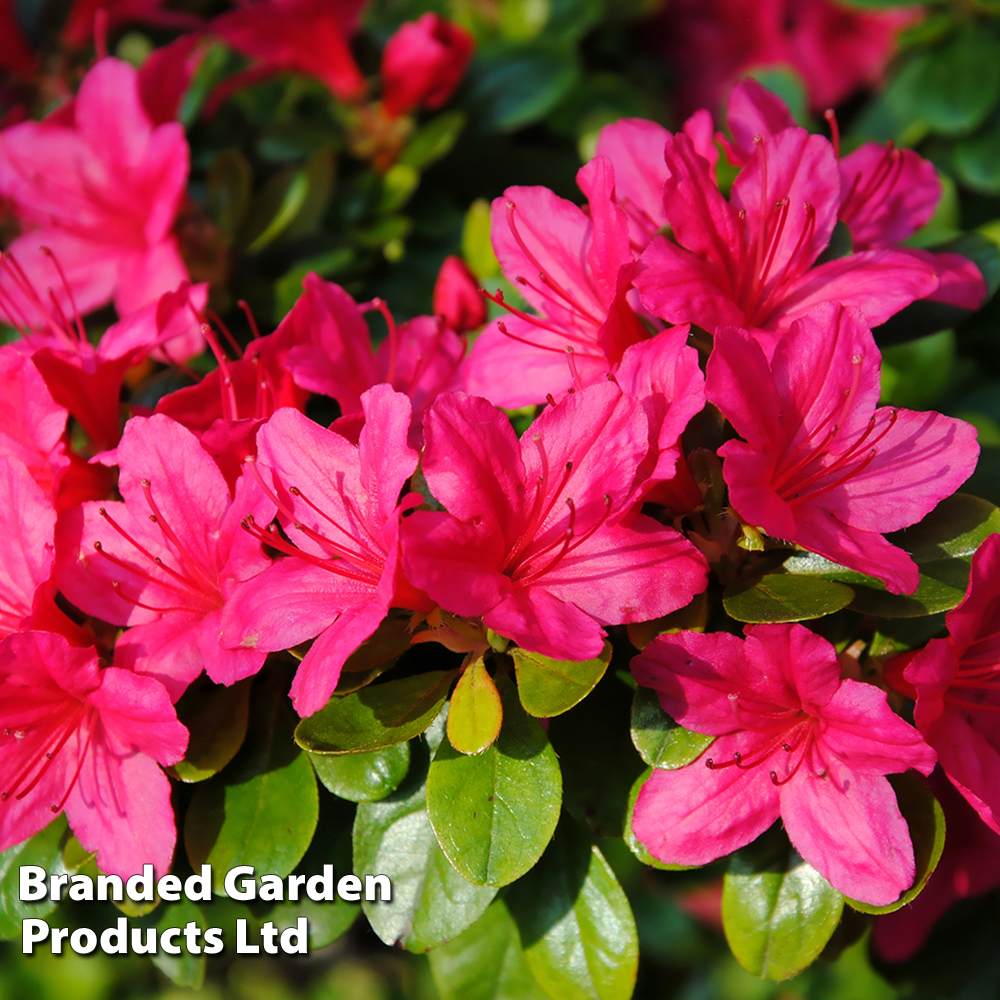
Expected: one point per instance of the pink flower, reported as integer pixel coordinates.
(79, 27)
(575, 269)
(749, 262)
(166, 560)
(834, 48)
(101, 194)
(423, 63)
(339, 504)
(792, 740)
(456, 297)
(956, 682)
(89, 741)
(820, 465)
(333, 354)
(533, 524)
(166, 75)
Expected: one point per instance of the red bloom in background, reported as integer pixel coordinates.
(835, 49)
(792, 740)
(456, 297)
(79, 27)
(821, 466)
(101, 194)
(423, 63)
(90, 741)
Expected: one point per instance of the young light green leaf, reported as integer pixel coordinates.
(550, 687)
(661, 742)
(363, 777)
(494, 814)
(475, 713)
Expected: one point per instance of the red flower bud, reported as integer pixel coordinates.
(457, 298)
(423, 63)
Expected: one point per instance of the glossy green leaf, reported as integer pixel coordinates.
(475, 712)
(917, 374)
(661, 742)
(216, 717)
(262, 810)
(925, 818)
(494, 814)
(431, 902)
(486, 962)
(363, 777)
(550, 687)
(777, 911)
(44, 849)
(634, 844)
(576, 926)
(780, 597)
(377, 716)
(186, 969)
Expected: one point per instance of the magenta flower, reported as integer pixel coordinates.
(820, 465)
(956, 682)
(792, 740)
(574, 267)
(456, 297)
(166, 560)
(533, 525)
(749, 262)
(339, 504)
(101, 193)
(87, 740)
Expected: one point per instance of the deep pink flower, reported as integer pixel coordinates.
(78, 30)
(792, 740)
(89, 741)
(749, 262)
(835, 49)
(333, 354)
(101, 194)
(956, 682)
(456, 297)
(166, 75)
(423, 63)
(574, 267)
(820, 465)
(534, 540)
(166, 560)
(339, 504)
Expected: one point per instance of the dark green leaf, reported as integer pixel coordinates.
(486, 962)
(185, 970)
(45, 849)
(661, 742)
(363, 777)
(262, 810)
(216, 718)
(977, 159)
(925, 818)
(378, 716)
(777, 911)
(780, 597)
(576, 926)
(550, 687)
(494, 814)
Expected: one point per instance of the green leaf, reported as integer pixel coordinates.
(216, 718)
(494, 814)
(925, 818)
(781, 597)
(917, 374)
(486, 962)
(275, 207)
(378, 716)
(476, 246)
(661, 742)
(434, 141)
(431, 902)
(576, 926)
(44, 849)
(185, 970)
(960, 84)
(777, 911)
(977, 159)
(363, 777)
(262, 810)
(475, 712)
(550, 687)
(634, 844)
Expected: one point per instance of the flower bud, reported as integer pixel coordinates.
(457, 298)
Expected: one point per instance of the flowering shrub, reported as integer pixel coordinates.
(529, 553)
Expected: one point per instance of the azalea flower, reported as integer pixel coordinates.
(820, 465)
(339, 505)
(88, 741)
(956, 682)
(100, 193)
(793, 740)
(456, 297)
(533, 525)
(166, 559)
